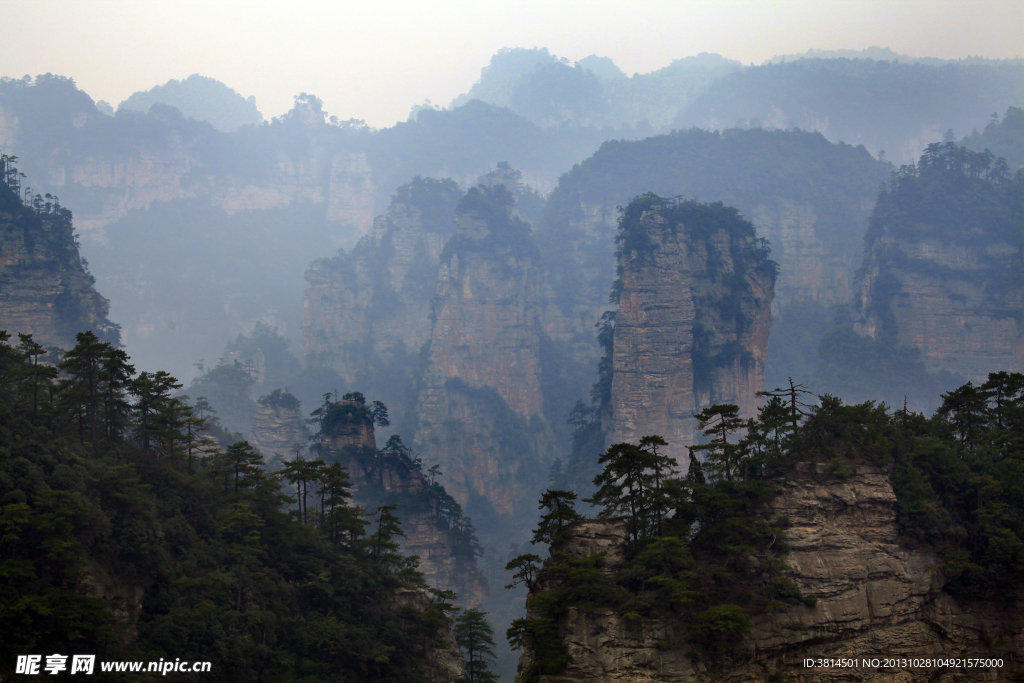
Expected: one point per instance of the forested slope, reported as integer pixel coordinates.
(128, 535)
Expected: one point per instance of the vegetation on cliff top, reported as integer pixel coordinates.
(705, 556)
(38, 243)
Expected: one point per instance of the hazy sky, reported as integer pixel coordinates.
(374, 59)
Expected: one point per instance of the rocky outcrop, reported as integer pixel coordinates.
(936, 299)
(278, 429)
(692, 325)
(101, 581)
(480, 408)
(351, 426)
(942, 266)
(373, 303)
(384, 477)
(878, 598)
(810, 198)
(45, 289)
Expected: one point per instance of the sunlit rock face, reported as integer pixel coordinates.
(692, 325)
(45, 290)
(878, 597)
(480, 409)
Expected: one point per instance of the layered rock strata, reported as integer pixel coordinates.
(45, 289)
(480, 408)
(692, 325)
(952, 301)
(878, 598)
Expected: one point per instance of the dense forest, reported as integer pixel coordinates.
(110, 490)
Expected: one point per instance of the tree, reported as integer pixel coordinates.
(81, 368)
(38, 376)
(623, 486)
(794, 394)
(662, 468)
(337, 517)
(152, 396)
(244, 463)
(561, 512)
(388, 526)
(720, 422)
(632, 486)
(476, 638)
(527, 568)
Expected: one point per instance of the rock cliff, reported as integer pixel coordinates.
(134, 160)
(878, 598)
(371, 306)
(810, 198)
(480, 407)
(390, 476)
(691, 330)
(942, 266)
(278, 429)
(45, 289)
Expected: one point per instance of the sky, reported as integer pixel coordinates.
(375, 60)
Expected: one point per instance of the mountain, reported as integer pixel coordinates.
(811, 199)
(201, 98)
(885, 106)
(129, 536)
(1004, 138)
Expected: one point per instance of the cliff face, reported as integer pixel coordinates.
(45, 289)
(375, 301)
(810, 198)
(481, 385)
(943, 260)
(164, 156)
(943, 306)
(693, 320)
(812, 267)
(877, 598)
(278, 428)
(387, 477)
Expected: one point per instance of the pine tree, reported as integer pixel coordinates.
(561, 512)
(720, 422)
(476, 638)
